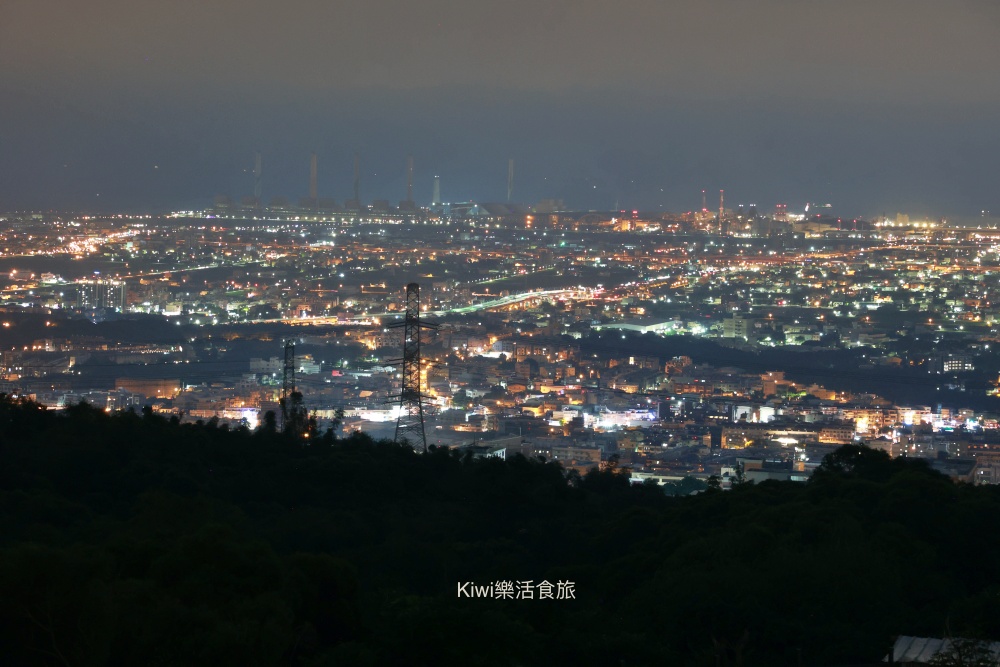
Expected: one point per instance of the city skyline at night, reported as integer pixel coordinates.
(535, 332)
(877, 108)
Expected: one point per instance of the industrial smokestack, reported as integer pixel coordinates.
(312, 179)
(256, 180)
(510, 179)
(409, 178)
(722, 211)
(357, 178)
(436, 199)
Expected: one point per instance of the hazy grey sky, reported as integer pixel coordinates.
(873, 104)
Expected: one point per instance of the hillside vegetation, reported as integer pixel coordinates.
(130, 539)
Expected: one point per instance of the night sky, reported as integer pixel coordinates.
(874, 107)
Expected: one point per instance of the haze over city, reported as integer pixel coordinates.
(874, 107)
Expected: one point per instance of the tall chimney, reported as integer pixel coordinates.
(256, 180)
(312, 179)
(357, 178)
(409, 178)
(510, 178)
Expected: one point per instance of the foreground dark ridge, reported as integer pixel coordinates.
(130, 539)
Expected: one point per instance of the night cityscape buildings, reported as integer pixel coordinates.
(580, 336)
(287, 356)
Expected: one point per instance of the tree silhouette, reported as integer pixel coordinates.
(297, 423)
(966, 653)
(134, 539)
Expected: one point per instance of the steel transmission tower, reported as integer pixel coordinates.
(410, 425)
(287, 382)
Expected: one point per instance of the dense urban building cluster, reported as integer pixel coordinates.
(706, 346)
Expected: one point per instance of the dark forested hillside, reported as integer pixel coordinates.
(133, 540)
